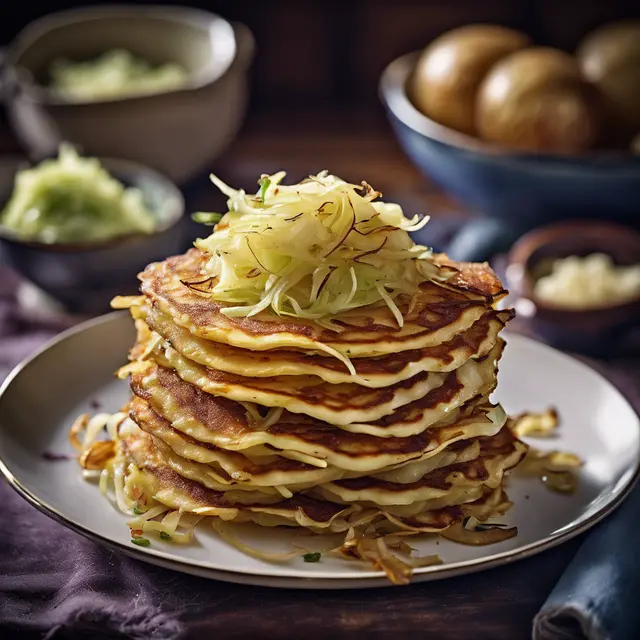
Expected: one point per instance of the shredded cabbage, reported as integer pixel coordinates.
(74, 199)
(223, 531)
(114, 74)
(536, 425)
(557, 469)
(256, 421)
(312, 250)
(492, 534)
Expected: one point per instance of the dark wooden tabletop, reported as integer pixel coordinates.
(494, 604)
(352, 144)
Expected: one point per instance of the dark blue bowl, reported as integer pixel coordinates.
(524, 188)
(84, 277)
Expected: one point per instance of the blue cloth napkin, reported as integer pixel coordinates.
(598, 596)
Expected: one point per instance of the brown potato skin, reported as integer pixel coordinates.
(451, 68)
(610, 58)
(537, 100)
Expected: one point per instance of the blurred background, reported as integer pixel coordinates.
(329, 55)
(306, 86)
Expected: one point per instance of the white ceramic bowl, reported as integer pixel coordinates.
(177, 132)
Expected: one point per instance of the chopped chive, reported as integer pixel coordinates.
(264, 185)
(204, 217)
(137, 511)
(141, 542)
(312, 557)
(165, 536)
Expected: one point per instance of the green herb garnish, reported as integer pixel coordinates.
(312, 557)
(165, 536)
(141, 542)
(137, 511)
(203, 217)
(264, 185)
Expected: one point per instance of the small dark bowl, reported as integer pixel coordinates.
(85, 276)
(524, 189)
(599, 331)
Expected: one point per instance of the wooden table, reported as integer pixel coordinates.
(496, 604)
(355, 146)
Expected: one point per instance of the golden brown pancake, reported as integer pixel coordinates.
(270, 473)
(227, 469)
(226, 425)
(338, 404)
(382, 371)
(435, 315)
(497, 454)
(403, 409)
(177, 492)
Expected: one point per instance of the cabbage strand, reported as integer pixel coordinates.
(313, 250)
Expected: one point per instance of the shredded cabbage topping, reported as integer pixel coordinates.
(312, 250)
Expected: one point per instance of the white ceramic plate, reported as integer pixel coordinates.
(69, 376)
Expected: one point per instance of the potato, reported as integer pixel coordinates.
(537, 99)
(451, 68)
(610, 58)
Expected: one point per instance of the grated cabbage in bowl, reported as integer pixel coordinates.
(72, 199)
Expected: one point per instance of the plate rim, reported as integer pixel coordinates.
(364, 579)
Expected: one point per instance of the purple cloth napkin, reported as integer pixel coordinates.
(53, 582)
(23, 330)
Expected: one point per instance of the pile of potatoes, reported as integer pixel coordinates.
(491, 82)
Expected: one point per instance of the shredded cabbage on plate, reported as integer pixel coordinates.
(311, 250)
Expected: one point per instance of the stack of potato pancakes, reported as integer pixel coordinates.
(361, 424)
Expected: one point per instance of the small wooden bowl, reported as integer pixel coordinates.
(598, 331)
